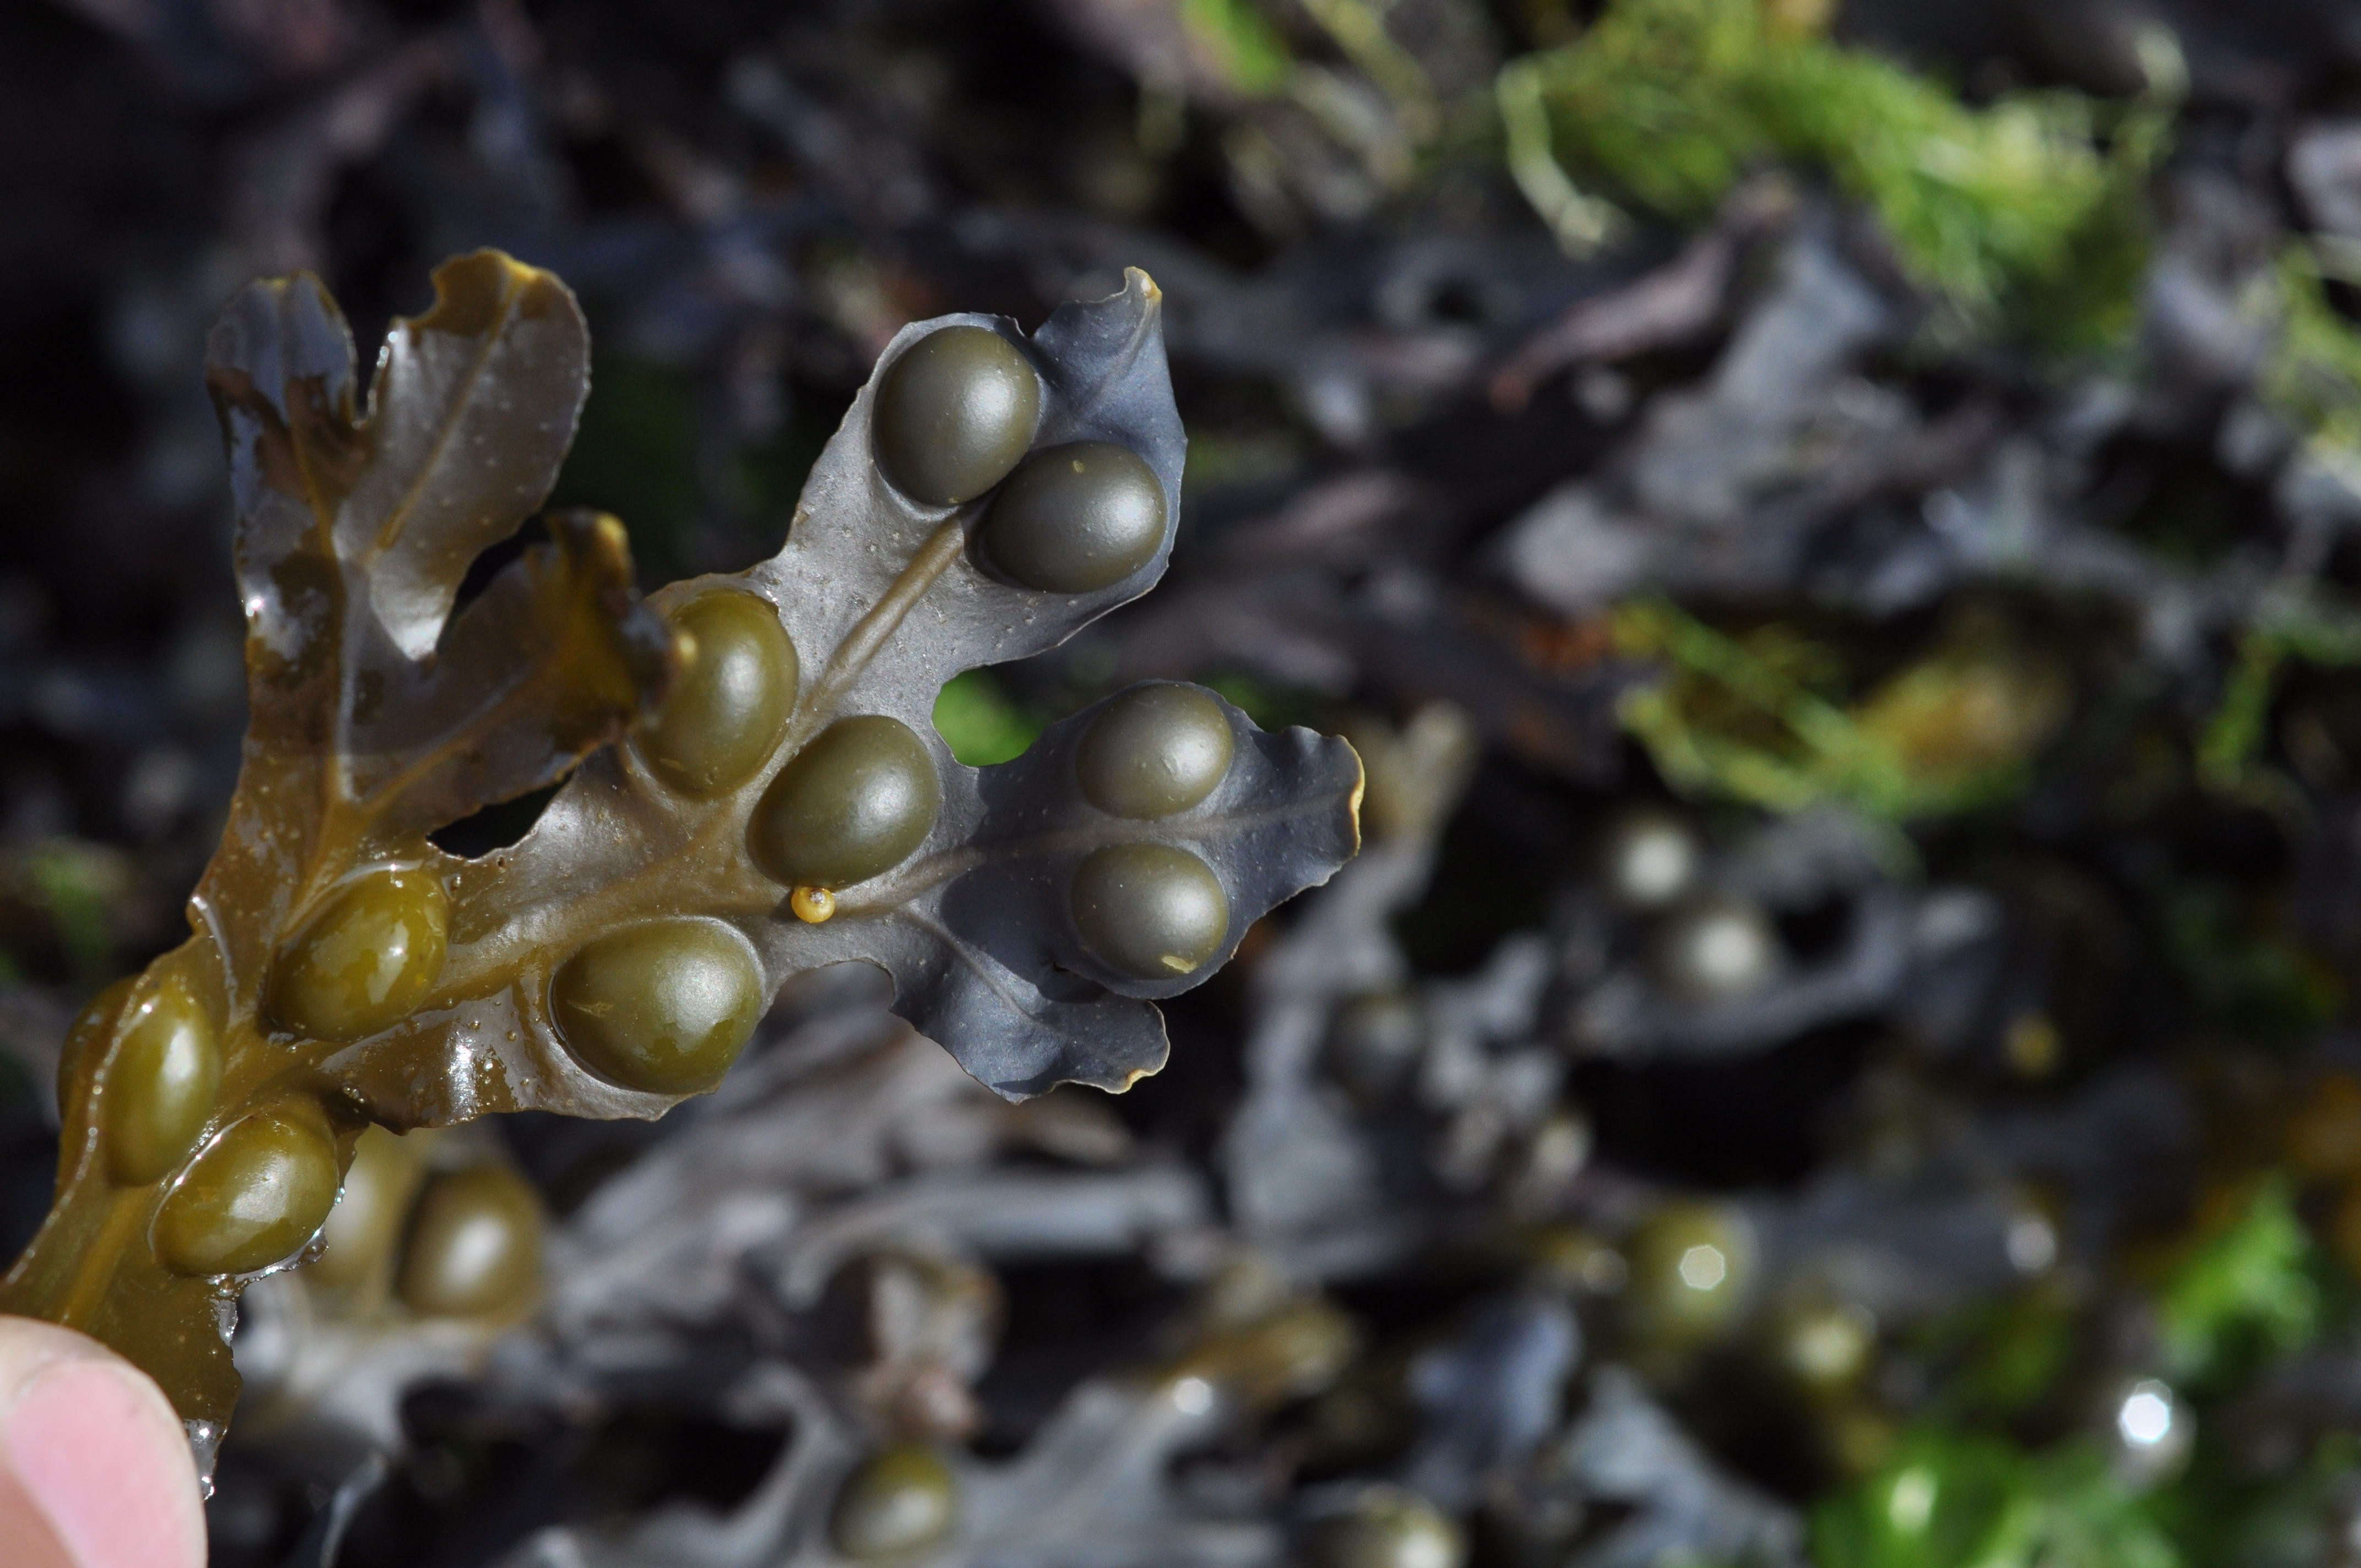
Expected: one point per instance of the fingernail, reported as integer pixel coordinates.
(83, 1441)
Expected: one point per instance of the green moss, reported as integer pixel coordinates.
(2305, 625)
(2247, 1289)
(1949, 1499)
(2236, 731)
(1270, 706)
(2010, 1353)
(80, 886)
(2030, 205)
(1760, 718)
(2230, 1517)
(2249, 971)
(2312, 376)
(983, 724)
(1238, 40)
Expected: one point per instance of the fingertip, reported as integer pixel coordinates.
(92, 1443)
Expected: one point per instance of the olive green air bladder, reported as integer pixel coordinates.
(253, 1196)
(723, 717)
(899, 1500)
(367, 960)
(853, 804)
(432, 1225)
(1693, 1268)
(1077, 518)
(663, 1006)
(1385, 1528)
(738, 747)
(166, 1071)
(1156, 751)
(1150, 910)
(473, 1245)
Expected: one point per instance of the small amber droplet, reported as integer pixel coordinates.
(812, 906)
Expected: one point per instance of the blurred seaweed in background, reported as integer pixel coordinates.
(1835, 528)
